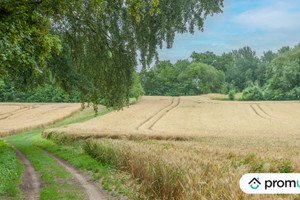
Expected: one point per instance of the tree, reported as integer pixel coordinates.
(107, 31)
(104, 44)
(137, 89)
(223, 62)
(201, 79)
(284, 74)
(26, 42)
(245, 67)
(207, 57)
(261, 71)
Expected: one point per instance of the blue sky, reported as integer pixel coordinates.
(261, 24)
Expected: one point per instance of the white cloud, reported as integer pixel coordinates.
(277, 16)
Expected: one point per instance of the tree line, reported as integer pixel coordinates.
(272, 76)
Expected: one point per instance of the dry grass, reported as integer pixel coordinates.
(19, 117)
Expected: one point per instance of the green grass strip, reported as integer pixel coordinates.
(27, 142)
(54, 176)
(10, 171)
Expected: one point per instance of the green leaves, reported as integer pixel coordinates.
(103, 36)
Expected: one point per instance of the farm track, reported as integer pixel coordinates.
(257, 110)
(93, 191)
(148, 119)
(31, 182)
(164, 113)
(263, 110)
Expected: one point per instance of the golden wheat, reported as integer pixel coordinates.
(192, 117)
(19, 117)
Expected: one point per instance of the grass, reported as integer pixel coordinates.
(10, 171)
(226, 99)
(56, 181)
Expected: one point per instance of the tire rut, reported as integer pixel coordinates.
(164, 113)
(147, 120)
(93, 191)
(263, 110)
(256, 112)
(31, 181)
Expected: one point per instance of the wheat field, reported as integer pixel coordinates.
(19, 117)
(194, 147)
(194, 117)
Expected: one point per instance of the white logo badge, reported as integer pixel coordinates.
(270, 183)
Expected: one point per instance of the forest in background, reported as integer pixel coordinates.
(273, 76)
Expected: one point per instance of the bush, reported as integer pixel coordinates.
(253, 93)
(277, 94)
(224, 88)
(231, 95)
(294, 94)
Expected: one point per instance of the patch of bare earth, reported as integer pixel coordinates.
(31, 179)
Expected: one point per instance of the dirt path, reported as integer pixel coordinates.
(93, 191)
(31, 182)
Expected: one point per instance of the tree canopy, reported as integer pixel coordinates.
(101, 40)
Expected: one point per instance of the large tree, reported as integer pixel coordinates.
(244, 71)
(284, 75)
(103, 38)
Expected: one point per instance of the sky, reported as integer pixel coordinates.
(261, 24)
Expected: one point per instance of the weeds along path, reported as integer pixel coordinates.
(94, 192)
(151, 121)
(31, 181)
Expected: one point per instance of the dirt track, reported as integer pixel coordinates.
(94, 191)
(194, 116)
(31, 179)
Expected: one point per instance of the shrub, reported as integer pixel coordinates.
(294, 94)
(231, 94)
(276, 94)
(253, 93)
(224, 88)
